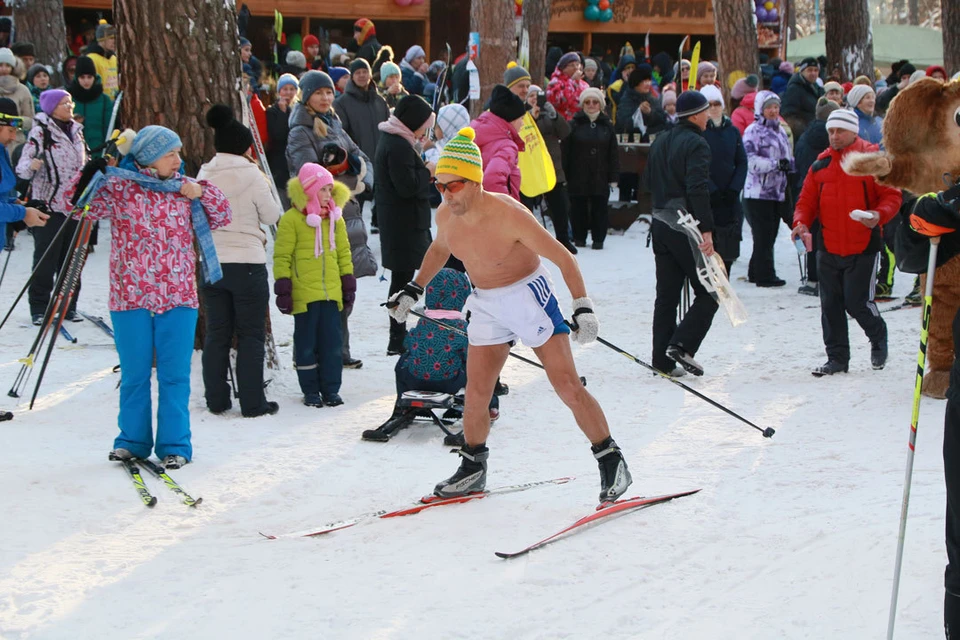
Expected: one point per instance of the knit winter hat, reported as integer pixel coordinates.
(244, 42)
(809, 61)
(7, 57)
(452, 118)
(690, 103)
(34, 70)
(9, 114)
(230, 136)
(414, 52)
(338, 72)
(863, 80)
(594, 93)
(388, 69)
(359, 64)
(916, 75)
(105, 30)
(514, 74)
(296, 59)
(505, 104)
(152, 143)
(461, 156)
(309, 41)
(843, 119)
(313, 81)
(668, 97)
(741, 88)
(568, 58)
(285, 79)
(85, 66)
(413, 111)
(833, 85)
(825, 108)
(50, 98)
(787, 67)
(712, 93)
(590, 63)
(857, 93)
(313, 178)
(906, 70)
(365, 28)
(638, 75)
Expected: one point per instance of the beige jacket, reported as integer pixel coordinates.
(243, 240)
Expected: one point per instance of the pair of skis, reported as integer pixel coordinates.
(603, 513)
(133, 466)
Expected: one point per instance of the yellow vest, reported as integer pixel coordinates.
(107, 70)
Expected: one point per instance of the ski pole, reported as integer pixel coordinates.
(767, 433)
(6, 264)
(448, 327)
(914, 417)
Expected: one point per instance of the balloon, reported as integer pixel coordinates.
(604, 5)
(768, 5)
(593, 2)
(762, 15)
(591, 12)
(606, 15)
(772, 15)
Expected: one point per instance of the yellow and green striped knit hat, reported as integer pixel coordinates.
(461, 157)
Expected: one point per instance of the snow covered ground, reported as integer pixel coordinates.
(792, 537)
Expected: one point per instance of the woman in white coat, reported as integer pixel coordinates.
(238, 303)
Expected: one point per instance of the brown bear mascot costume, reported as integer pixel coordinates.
(921, 135)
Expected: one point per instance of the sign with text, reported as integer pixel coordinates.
(660, 16)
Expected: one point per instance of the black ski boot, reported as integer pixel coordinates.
(471, 477)
(830, 368)
(684, 359)
(614, 475)
(399, 420)
(878, 352)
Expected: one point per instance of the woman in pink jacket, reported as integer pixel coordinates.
(498, 136)
(155, 213)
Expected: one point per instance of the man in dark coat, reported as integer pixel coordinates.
(811, 144)
(728, 172)
(903, 79)
(402, 199)
(678, 172)
(799, 104)
(361, 109)
(638, 95)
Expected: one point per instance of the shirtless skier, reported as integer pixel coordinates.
(500, 243)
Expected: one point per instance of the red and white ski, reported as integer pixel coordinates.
(427, 502)
(618, 507)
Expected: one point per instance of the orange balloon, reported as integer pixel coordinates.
(604, 5)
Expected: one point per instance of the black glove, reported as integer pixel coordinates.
(784, 165)
(86, 175)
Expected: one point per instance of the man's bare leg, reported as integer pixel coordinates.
(483, 368)
(557, 359)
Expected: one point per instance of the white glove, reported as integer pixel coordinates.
(400, 303)
(585, 323)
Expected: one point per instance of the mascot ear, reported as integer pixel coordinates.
(878, 164)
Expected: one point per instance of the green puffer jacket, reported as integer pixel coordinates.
(314, 279)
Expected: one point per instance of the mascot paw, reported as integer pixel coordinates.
(935, 384)
(877, 163)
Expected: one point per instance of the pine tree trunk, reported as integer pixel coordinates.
(536, 20)
(849, 38)
(950, 26)
(736, 40)
(913, 12)
(190, 61)
(493, 19)
(41, 22)
(791, 18)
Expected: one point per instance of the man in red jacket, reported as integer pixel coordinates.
(851, 210)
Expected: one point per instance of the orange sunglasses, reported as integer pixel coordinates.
(454, 186)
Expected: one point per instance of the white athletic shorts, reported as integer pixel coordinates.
(526, 310)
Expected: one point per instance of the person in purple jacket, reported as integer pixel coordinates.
(769, 160)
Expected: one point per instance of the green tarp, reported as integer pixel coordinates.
(891, 42)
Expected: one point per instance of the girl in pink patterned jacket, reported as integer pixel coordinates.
(153, 288)
(566, 85)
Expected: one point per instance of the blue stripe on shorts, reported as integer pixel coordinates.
(546, 299)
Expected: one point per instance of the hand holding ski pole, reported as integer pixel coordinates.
(707, 245)
(585, 324)
(35, 217)
(400, 303)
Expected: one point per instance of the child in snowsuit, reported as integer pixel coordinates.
(314, 279)
(153, 289)
(435, 357)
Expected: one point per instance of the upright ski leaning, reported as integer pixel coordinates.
(501, 244)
